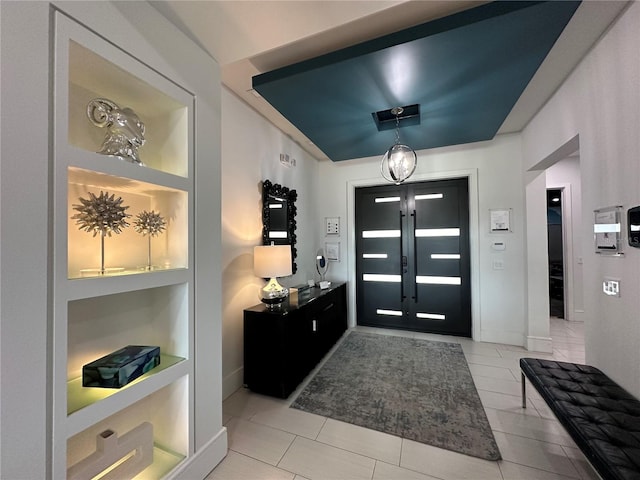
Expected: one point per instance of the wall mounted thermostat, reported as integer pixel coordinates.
(332, 225)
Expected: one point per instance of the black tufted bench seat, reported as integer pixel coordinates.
(601, 417)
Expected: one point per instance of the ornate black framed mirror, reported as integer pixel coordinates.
(279, 217)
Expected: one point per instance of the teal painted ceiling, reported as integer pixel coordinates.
(465, 72)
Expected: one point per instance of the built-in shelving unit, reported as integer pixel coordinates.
(145, 294)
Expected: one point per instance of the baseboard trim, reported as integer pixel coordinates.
(205, 459)
(505, 338)
(232, 382)
(539, 344)
(577, 316)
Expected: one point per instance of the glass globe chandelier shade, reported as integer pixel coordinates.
(400, 161)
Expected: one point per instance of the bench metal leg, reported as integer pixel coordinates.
(524, 391)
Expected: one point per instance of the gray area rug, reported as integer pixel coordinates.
(415, 389)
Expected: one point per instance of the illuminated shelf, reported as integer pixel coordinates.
(79, 397)
(164, 461)
(98, 165)
(162, 106)
(88, 405)
(127, 252)
(87, 287)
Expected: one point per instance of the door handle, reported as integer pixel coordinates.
(415, 258)
(403, 263)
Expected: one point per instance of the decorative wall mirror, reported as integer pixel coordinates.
(279, 217)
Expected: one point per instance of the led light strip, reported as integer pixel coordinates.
(393, 313)
(445, 256)
(387, 199)
(374, 255)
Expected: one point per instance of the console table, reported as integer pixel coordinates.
(283, 344)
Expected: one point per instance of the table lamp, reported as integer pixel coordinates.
(272, 261)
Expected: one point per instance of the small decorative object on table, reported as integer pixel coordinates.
(125, 131)
(150, 224)
(120, 367)
(104, 215)
(322, 266)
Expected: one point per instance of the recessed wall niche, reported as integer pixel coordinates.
(127, 252)
(166, 120)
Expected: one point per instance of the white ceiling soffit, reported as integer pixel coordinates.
(252, 37)
(588, 24)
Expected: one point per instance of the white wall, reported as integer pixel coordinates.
(494, 167)
(24, 406)
(600, 103)
(566, 175)
(251, 149)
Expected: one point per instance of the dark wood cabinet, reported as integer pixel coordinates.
(283, 344)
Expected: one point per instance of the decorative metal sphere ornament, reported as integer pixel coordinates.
(104, 214)
(150, 224)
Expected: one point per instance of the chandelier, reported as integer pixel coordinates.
(400, 161)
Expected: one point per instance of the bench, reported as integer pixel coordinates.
(601, 417)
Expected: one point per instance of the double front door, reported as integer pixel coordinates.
(412, 249)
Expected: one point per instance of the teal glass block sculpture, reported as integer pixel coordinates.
(120, 367)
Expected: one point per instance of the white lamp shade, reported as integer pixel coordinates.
(270, 261)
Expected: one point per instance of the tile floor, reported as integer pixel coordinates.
(269, 440)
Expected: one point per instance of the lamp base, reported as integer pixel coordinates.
(273, 293)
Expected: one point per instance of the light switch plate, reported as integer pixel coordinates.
(611, 287)
(332, 225)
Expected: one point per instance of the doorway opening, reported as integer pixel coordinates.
(555, 244)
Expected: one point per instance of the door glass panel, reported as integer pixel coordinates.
(381, 234)
(429, 196)
(437, 232)
(437, 280)
(431, 316)
(374, 277)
